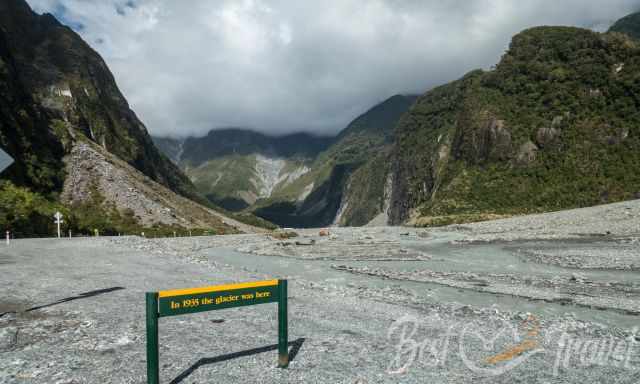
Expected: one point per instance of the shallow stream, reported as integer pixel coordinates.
(483, 258)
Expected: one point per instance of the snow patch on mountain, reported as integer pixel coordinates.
(267, 172)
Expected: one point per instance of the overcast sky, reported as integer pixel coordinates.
(280, 66)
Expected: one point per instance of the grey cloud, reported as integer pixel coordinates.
(286, 65)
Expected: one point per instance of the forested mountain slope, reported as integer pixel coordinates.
(555, 125)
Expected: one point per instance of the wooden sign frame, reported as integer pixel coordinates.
(193, 300)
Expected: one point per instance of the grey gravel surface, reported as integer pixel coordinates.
(72, 311)
(619, 219)
(616, 253)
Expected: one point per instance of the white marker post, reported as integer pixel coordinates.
(5, 161)
(58, 216)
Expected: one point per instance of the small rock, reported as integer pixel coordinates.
(527, 153)
(8, 338)
(577, 278)
(546, 136)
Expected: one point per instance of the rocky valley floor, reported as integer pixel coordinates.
(551, 298)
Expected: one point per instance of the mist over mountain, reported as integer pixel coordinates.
(235, 141)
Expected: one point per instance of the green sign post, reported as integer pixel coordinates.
(193, 300)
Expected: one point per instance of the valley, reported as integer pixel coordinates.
(552, 126)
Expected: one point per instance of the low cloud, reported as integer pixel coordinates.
(286, 65)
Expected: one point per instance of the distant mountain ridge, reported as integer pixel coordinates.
(234, 141)
(240, 141)
(294, 180)
(235, 167)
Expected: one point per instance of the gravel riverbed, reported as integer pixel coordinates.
(535, 299)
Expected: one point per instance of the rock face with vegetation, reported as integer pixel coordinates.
(555, 125)
(56, 93)
(348, 180)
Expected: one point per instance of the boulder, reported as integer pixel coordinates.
(8, 338)
(527, 153)
(546, 136)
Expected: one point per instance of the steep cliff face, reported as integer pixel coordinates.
(345, 184)
(554, 126)
(365, 145)
(25, 131)
(56, 87)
